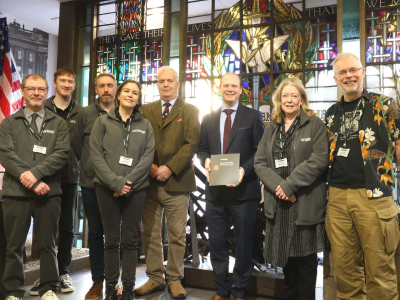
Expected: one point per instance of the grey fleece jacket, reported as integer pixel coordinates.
(16, 154)
(86, 118)
(106, 148)
(70, 171)
(307, 181)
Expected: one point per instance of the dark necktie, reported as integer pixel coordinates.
(166, 111)
(227, 128)
(33, 123)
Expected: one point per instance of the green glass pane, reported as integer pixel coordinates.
(351, 19)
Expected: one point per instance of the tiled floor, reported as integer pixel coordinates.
(82, 281)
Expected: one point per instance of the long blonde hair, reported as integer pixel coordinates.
(278, 115)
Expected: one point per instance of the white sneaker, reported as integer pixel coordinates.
(66, 284)
(13, 298)
(49, 296)
(35, 290)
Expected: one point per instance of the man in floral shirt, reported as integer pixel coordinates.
(361, 220)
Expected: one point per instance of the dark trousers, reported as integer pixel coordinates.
(301, 277)
(127, 209)
(3, 250)
(17, 220)
(96, 238)
(66, 226)
(219, 215)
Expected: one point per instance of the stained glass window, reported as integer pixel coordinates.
(263, 41)
(130, 50)
(383, 49)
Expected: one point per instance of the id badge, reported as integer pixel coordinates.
(279, 163)
(39, 149)
(126, 161)
(343, 152)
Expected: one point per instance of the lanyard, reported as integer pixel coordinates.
(69, 113)
(39, 137)
(290, 132)
(125, 136)
(346, 133)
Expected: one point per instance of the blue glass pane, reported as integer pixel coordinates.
(231, 67)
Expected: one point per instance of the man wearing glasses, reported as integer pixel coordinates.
(361, 220)
(67, 108)
(34, 146)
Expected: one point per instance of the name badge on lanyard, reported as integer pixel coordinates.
(39, 149)
(343, 152)
(126, 161)
(280, 163)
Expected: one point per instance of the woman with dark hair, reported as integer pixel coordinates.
(291, 160)
(122, 151)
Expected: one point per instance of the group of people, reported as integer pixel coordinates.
(134, 162)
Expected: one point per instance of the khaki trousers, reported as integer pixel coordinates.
(357, 228)
(175, 206)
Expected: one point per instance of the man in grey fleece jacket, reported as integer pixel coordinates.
(34, 146)
(105, 87)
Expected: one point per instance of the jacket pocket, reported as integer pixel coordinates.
(388, 220)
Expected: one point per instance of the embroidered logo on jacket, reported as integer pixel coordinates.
(306, 139)
(73, 121)
(138, 130)
(48, 131)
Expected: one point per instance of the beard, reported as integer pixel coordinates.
(106, 101)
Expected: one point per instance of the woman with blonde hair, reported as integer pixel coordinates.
(291, 160)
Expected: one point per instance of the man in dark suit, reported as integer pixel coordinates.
(176, 127)
(232, 129)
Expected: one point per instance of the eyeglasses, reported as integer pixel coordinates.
(32, 90)
(352, 71)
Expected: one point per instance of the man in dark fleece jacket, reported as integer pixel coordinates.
(34, 146)
(105, 87)
(67, 108)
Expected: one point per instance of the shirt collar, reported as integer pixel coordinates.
(235, 107)
(172, 102)
(29, 113)
(365, 96)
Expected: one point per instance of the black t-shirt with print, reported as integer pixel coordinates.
(348, 172)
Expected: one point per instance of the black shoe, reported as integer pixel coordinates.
(111, 292)
(66, 284)
(127, 291)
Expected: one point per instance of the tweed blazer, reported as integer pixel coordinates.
(176, 143)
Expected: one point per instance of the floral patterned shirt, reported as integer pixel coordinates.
(379, 127)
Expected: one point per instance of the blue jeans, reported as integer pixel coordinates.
(96, 239)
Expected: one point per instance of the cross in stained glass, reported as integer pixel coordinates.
(191, 46)
(146, 63)
(134, 64)
(200, 54)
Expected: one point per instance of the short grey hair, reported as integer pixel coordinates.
(34, 77)
(345, 55)
(168, 68)
(105, 74)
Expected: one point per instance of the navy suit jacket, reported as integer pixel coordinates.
(247, 131)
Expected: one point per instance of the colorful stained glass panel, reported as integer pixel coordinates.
(383, 35)
(152, 55)
(197, 63)
(322, 48)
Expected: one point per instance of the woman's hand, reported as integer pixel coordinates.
(124, 190)
(281, 194)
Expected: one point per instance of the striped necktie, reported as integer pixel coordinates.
(166, 112)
